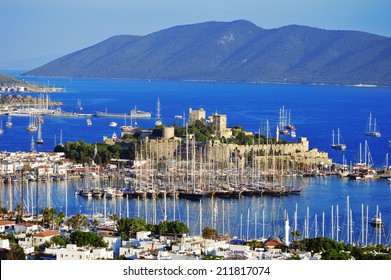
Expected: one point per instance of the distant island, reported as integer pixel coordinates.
(234, 51)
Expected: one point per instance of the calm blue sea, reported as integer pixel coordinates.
(315, 111)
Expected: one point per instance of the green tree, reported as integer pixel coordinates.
(59, 218)
(10, 237)
(209, 233)
(172, 227)
(3, 211)
(59, 149)
(95, 224)
(15, 253)
(77, 221)
(254, 244)
(19, 212)
(296, 234)
(48, 215)
(137, 224)
(82, 239)
(158, 131)
(60, 240)
(124, 227)
(114, 217)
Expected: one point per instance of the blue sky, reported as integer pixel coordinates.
(35, 32)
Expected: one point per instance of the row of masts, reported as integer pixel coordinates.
(195, 169)
(342, 225)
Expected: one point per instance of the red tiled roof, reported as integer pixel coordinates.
(47, 233)
(7, 223)
(272, 243)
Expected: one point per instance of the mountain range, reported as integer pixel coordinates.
(234, 51)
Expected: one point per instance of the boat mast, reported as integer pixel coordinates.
(366, 235)
(362, 223)
(200, 217)
(337, 231)
(255, 224)
(158, 119)
(338, 136)
(263, 222)
(332, 222)
(295, 219)
(187, 159)
(351, 226)
(347, 219)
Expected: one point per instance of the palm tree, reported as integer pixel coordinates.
(114, 217)
(19, 212)
(59, 218)
(95, 224)
(48, 215)
(124, 226)
(78, 221)
(296, 234)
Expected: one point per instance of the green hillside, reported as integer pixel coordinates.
(234, 51)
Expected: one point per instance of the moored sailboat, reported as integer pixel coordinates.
(32, 127)
(363, 169)
(338, 145)
(127, 127)
(371, 129)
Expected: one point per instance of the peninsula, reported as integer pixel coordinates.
(10, 84)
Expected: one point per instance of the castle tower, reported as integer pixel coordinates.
(196, 115)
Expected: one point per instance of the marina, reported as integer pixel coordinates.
(265, 213)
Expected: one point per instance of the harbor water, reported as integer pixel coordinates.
(316, 110)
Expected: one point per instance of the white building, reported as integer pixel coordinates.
(5, 244)
(5, 225)
(114, 243)
(72, 252)
(130, 252)
(26, 228)
(143, 235)
(38, 239)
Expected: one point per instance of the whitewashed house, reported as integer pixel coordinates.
(38, 239)
(72, 252)
(6, 225)
(114, 242)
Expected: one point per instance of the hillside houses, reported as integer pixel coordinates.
(43, 165)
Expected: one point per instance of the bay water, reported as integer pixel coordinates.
(316, 110)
